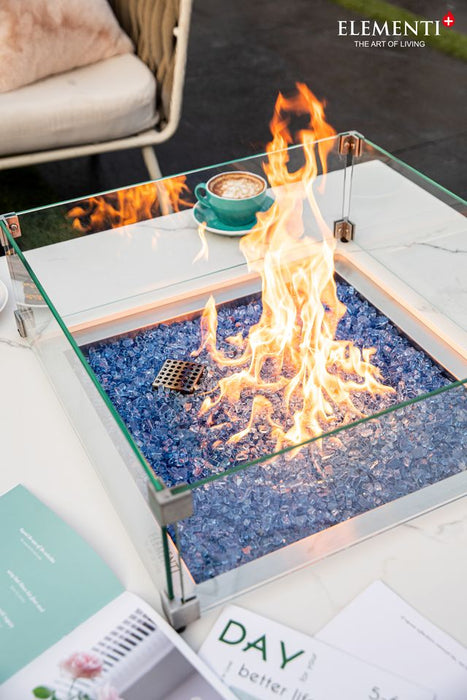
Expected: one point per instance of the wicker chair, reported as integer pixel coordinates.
(159, 30)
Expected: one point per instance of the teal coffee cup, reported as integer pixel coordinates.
(235, 197)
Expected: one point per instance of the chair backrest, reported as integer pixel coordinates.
(159, 30)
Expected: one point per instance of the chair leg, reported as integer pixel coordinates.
(151, 162)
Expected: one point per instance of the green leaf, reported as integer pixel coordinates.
(42, 692)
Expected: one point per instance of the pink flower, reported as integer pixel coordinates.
(82, 664)
(106, 692)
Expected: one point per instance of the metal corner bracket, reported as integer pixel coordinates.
(22, 317)
(344, 230)
(12, 222)
(180, 613)
(351, 144)
(169, 507)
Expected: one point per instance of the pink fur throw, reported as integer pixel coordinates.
(39, 38)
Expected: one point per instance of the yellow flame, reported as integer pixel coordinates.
(316, 375)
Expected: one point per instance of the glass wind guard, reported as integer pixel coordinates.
(298, 345)
(123, 470)
(302, 505)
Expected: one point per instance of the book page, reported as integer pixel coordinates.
(259, 658)
(380, 627)
(140, 658)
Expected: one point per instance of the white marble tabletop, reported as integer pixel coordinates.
(424, 560)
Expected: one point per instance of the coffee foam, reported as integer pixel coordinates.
(236, 185)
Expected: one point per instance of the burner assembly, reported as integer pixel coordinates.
(179, 375)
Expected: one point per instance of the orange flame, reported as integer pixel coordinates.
(130, 205)
(316, 375)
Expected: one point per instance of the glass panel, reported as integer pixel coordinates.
(242, 521)
(123, 471)
(409, 231)
(124, 250)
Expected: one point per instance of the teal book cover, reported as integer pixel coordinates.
(51, 580)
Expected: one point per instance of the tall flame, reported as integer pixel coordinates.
(316, 375)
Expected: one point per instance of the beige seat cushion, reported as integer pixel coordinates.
(106, 100)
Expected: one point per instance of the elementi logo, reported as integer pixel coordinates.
(396, 33)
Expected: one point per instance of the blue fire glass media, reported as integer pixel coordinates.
(263, 508)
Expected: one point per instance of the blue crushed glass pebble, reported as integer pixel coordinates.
(246, 515)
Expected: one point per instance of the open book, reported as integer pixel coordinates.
(68, 629)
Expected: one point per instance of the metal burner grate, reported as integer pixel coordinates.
(179, 375)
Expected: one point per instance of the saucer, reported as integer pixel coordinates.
(3, 295)
(206, 215)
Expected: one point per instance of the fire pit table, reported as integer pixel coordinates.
(229, 470)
